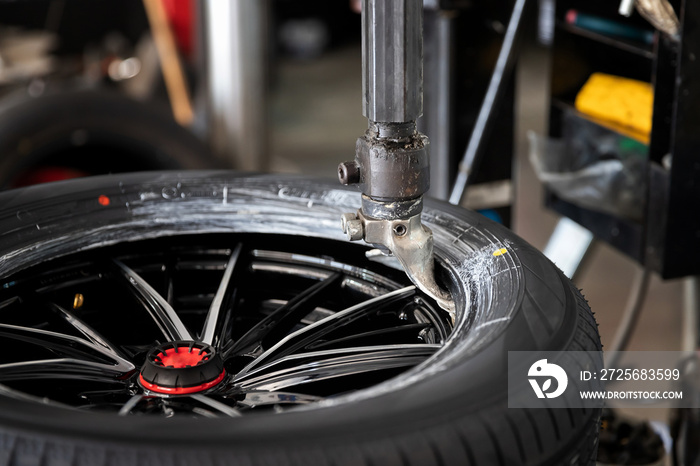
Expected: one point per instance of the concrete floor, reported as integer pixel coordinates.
(316, 118)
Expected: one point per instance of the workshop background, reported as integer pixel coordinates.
(84, 89)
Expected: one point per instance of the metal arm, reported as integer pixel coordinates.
(391, 163)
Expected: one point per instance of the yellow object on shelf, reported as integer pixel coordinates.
(625, 105)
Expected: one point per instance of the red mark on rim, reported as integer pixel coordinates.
(103, 200)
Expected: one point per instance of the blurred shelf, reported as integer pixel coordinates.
(626, 45)
(568, 107)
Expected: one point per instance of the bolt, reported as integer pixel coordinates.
(400, 229)
(354, 230)
(344, 219)
(349, 173)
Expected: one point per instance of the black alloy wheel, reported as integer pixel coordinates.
(220, 318)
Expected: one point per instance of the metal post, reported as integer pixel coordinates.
(437, 99)
(482, 127)
(391, 163)
(691, 308)
(392, 60)
(235, 34)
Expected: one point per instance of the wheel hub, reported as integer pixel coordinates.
(182, 367)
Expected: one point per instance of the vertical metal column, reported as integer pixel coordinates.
(437, 99)
(691, 309)
(392, 60)
(484, 121)
(235, 37)
(391, 163)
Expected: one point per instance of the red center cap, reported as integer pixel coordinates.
(182, 357)
(182, 367)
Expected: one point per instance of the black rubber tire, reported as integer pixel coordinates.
(96, 131)
(456, 413)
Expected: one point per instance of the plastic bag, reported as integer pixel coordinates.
(592, 167)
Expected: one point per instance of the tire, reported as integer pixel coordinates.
(450, 410)
(91, 132)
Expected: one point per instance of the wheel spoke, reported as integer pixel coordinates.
(8, 302)
(91, 334)
(284, 318)
(64, 368)
(288, 258)
(104, 395)
(255, 398)
(400, 332)
(317, 330)
(170, 288)
(131, 404)
(160, 310)
(278, 375)
(66, 345)
(17, 395)
(213, 320)
(217, 405)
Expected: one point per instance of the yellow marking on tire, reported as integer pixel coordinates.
(500, 252)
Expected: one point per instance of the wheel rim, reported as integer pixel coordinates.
(293, 327)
